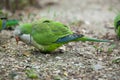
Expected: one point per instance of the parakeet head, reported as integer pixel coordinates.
(20, 36)
(117, 25)
(23, 32)
(117, 21)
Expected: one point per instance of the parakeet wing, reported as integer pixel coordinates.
(47, 32)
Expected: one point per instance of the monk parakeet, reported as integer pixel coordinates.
(4, 23)
(117, 25)
(48, 35)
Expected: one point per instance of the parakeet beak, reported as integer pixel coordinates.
(17, 39)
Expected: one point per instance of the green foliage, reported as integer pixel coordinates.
(98, 49)
(31, 73)
(117, 60)
(110, 49)
(57, 77)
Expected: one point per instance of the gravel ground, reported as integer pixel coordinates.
(79, 60)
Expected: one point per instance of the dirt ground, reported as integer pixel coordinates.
(79, 60)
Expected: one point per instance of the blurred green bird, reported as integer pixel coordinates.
(5, 23)
(48, 35)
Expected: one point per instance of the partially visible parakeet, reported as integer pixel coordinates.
(117, 25)
(4, 23)
(48, 35)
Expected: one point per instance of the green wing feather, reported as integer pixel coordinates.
(48, 32)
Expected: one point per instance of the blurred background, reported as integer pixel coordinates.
(14, 5)
(79, 61)
(10, 7)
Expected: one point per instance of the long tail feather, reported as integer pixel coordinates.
(78, 37)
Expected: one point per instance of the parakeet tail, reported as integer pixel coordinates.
(78, 37)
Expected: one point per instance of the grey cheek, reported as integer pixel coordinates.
(25, 38)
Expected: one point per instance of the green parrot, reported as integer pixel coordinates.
(117, 25)
(4, 23)
(48, 35)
